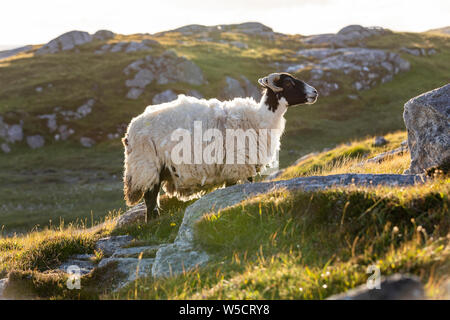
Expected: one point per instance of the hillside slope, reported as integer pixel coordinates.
(76, 100)
(288, 244)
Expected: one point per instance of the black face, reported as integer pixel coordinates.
(294, 91)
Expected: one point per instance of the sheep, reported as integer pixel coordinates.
(150, 145)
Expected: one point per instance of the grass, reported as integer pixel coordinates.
(84, 184)
(311, 245)
(283, 245)
(297, 245)
(348, 158)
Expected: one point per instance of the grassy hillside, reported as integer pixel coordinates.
(284, 245)
(65, 180)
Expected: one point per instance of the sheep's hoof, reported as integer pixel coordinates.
(150, 215)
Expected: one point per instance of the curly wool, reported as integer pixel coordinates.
(148, 144)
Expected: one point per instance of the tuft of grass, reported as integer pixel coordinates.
(349, 158)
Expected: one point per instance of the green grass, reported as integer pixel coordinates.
(283, 245)
(295, 245)
(73, 181)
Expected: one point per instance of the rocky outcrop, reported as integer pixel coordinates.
(87, 142)
(347, 35)
(367, 67)
(243, 88)
(129, 262)
(163, 69)
(395, 287)
(36, 141)
(103, 35)
(165, 96)
(427, 120)
(128, 46)
(251, 28)
(419, 51)
(184, 255)
(64, 42)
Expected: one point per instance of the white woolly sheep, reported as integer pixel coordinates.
(150, 145)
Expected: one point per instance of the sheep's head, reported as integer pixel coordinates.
(284, 85)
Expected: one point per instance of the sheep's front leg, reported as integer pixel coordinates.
(151, 202)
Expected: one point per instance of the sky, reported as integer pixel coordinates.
(38, 21)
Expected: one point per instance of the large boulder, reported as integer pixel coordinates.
(427, 119)
(66, 41)
(395, 287)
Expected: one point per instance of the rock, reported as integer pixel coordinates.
(184, 255)
(134, 93)
(165, 96)
(87, 142)
(380, 141)
(132, 216)
(129, 268)
(36, 141)
(135, 252)
(128, 46)
(13, 52)
(5, 148)
(141, 79)
(66, 41)
(84, 264)
(103, 35)
(385, 155)
(51, 121)
(418, 51)
(361, 63)
(347, 35)
(164, 69)
(15, 133)
(194, 93)
(85, 109)
(3, 283)
(64, 132)
(250, 89)
(109, 245)
(427, 120)
(252, 28)
(395, 287)
(239, 45)
(134, 46)
(234, 89)
(39, 89)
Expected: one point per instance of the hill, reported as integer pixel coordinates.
(71, 99)
(285, 244)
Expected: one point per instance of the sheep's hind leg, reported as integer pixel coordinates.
(151, 202)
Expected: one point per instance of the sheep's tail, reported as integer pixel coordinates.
(132, 196)
(140, 174)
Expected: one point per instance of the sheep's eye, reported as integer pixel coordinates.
(288, 84)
